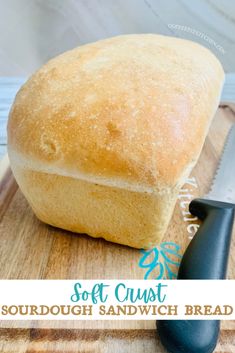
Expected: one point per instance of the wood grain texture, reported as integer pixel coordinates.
(87, 341)
(30, 250)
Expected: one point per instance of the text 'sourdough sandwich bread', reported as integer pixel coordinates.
(102, 137)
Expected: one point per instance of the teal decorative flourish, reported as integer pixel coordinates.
(161, 262)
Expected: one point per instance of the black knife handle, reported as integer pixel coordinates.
(205, 258)
(207, 254)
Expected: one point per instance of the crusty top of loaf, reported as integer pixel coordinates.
(131, 110)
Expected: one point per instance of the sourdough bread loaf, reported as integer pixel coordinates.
(102, 137)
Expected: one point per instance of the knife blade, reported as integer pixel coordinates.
(223, 184)
(206, 256)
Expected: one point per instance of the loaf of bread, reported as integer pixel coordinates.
(102, 137)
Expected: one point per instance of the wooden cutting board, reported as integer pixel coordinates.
(32, 250)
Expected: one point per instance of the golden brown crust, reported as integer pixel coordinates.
(136, 219)
(133, 108)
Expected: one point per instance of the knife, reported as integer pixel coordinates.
(206, 256)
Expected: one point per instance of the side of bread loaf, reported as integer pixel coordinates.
(102, 137)
(136, 219)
